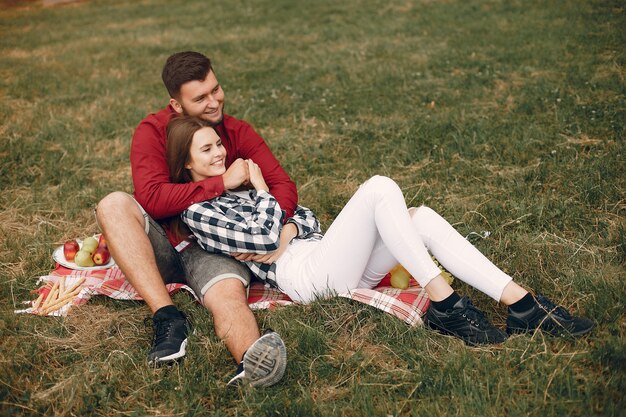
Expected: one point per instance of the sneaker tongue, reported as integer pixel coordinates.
(168, 313)
(550, 306)
(462, 303)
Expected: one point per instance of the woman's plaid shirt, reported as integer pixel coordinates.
(231, 223)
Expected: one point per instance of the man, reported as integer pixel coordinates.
(151, 255)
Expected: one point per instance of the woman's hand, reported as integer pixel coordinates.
(256, 176)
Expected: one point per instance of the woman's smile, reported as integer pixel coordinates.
(207, 155)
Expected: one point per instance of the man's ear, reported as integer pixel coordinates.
(176, 105)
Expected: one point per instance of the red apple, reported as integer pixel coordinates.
(69, 249)
(102, 243)
(101, 256)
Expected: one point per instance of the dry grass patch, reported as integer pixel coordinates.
(98, 331)
(22, 214)
(326, 394)
(134, 23)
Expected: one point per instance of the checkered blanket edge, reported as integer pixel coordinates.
(409, 305)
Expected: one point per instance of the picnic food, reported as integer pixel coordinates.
(70, 248)
(59, 295)
(101, 255)
(83, 258)
(400, 277)
(92, 252)
(90, 244)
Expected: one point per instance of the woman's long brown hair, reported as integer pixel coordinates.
(180, 131)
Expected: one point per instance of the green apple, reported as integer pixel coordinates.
(90, 244)
(400, 277)
(83, 258)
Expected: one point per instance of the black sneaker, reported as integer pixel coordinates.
(169, 340)
(264, 363)
(550, 318)
(465, 322)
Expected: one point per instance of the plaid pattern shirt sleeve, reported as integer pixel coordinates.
(306, 222)
(230, 223)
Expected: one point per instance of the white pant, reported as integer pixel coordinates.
(373, 233)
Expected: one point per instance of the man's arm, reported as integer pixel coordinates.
(153, 189)
(252, 146)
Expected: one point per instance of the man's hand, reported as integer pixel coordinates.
(286, 235)
(236, 174)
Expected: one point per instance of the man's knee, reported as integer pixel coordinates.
(225, 296)
(117, 205)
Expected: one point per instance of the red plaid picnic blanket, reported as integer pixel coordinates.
(408, 305)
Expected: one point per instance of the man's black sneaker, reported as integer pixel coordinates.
(465, 322)
(550, 318)
(169, 340)
(264, 363)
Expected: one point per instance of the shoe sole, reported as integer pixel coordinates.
(173, 357)
(564, 332)
(446, 332)
(266, 360)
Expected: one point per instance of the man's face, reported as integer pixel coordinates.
(204, 99)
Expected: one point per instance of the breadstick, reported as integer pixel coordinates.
(76, 285)
(51, 294)
(54, 295)
(61, 302)
(69, 293)
(62, 286)
(37, 302)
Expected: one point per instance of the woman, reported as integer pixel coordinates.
(373, 232)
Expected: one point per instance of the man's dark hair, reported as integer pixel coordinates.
(183, 67)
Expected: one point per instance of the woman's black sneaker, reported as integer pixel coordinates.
(549, 317)
(465, 322)
(170, 338)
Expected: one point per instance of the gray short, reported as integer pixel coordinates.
(193, 266)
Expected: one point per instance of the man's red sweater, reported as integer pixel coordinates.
(162, 199)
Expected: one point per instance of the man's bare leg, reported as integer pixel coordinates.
(122, 224)
(234, 322)
(262, 359)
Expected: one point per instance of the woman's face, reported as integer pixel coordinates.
(207, 155)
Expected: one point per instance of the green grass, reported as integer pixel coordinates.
(504, 116)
